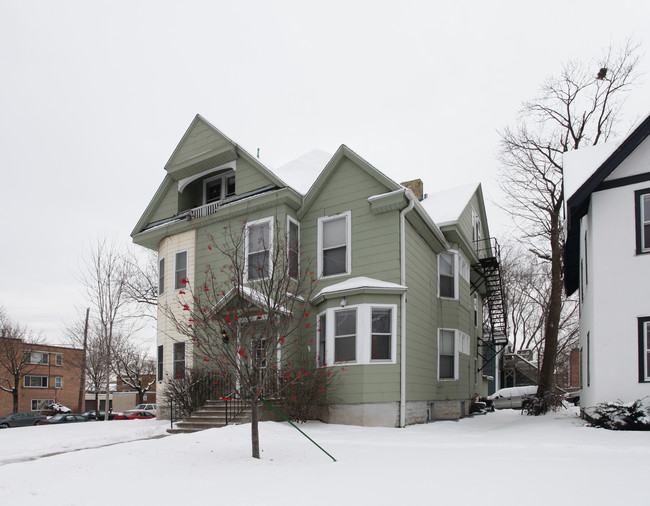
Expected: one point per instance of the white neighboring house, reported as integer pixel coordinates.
(607, 259)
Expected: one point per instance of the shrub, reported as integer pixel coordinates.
(541, 404)
(306, 393)
(619, 416)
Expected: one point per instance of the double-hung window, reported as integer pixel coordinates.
(258, 243)
(160, 362)
(447, 354)
(161, 276)
(179, 360)
(360, 334)
(451, 342)
(322, 340)
(219, 187)
(644, 349)
(58, 382)
(345, 335)
(334, 245)
(180, 270)
(380, 340)
(642, 207)
(293, 248)
(447, 277)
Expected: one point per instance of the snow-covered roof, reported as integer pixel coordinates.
(579, 164)
(446, 206)
(301, 173)
(358, 283)
(253, 296)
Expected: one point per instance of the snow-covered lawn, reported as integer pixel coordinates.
(496, 459)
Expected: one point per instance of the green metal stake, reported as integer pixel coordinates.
(294, 426)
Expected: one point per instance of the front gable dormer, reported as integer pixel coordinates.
(205, 171)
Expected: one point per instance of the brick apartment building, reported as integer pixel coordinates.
(51, 374)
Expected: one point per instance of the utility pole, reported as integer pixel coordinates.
(82, 385)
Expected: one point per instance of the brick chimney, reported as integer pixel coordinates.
(416, 186)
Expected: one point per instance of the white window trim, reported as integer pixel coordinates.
(177, 284)
(463, 266)
(363, 343)
(174, 361)
(461, 345)
(477, 229)
(291, 220)
(321, 337)
(224, 177)
(250, 224)
(161, 276)
(456, 265)
(348, 243)
(58, 382)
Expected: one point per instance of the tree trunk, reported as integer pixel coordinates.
(14, 393)
(551, 325)
(255, 435)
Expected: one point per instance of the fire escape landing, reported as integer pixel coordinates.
(488, 273)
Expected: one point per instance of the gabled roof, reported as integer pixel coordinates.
(578, 204)
(446, 206)
(341, 154)
(304, 170)
(201, 148)
(253, 296)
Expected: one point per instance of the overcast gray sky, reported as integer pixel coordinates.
(95, 96)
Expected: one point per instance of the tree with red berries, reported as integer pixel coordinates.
(248, 318)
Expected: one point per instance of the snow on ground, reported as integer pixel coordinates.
(500, 458)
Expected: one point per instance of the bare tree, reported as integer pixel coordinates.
(142, 281)
(526, 284)
(105, 281)
(133, 366)
(579, 107)
(95, 356)
(15, 360)
(246, 319)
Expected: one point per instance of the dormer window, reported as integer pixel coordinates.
(219, 187)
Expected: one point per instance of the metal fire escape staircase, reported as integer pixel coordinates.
(487, 273)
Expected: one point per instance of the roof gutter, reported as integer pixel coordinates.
(402, 233)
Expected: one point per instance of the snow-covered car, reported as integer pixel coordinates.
(22, 419)
(512, 397)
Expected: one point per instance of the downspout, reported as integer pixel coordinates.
(402, 237)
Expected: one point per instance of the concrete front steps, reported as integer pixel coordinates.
(210, 416)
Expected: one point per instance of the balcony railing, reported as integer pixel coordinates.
(205, 210)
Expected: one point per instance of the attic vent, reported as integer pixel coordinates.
(416, 186)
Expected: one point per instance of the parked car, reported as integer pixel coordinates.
(573, 397)
(63, 418)
(92, 415)
(22, 419)
(147, 407)
(512, 397)
(135, 414)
